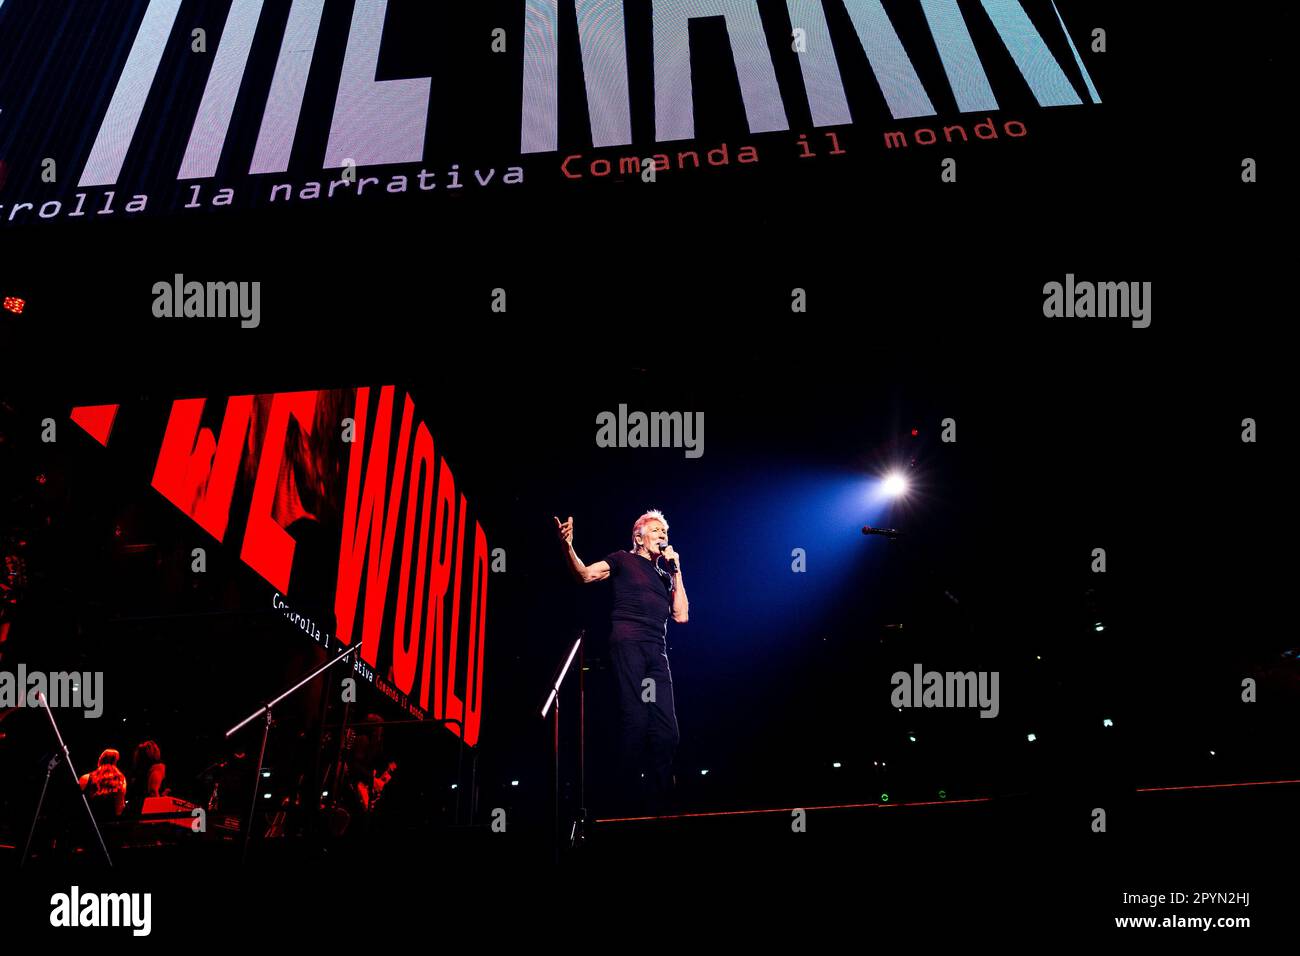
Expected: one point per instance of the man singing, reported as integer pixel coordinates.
(646, 592)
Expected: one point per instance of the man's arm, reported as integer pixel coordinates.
(681, 606)
(156, 775)
(582, 573)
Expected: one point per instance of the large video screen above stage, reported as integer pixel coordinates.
(186, 107)
(305, 490)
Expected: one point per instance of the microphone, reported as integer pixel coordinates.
(883, 532)
(672, 565)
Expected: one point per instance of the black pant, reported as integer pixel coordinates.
(649, 735)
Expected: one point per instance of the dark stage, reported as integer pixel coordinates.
(941, 515)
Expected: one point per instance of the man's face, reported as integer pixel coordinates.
(654, 535)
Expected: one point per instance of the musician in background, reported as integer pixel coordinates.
(148, 773)
(368, 794)
(366, 773)
(105, 786)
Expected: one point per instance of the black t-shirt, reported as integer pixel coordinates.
(641, 598)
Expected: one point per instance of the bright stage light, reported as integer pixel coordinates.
(894, 485)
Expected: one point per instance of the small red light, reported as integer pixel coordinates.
(14, 305)
(40, 479)
(915, 433)
(118, 531)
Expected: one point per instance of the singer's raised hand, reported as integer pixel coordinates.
(564, 529)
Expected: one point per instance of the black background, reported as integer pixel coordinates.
(924, 298)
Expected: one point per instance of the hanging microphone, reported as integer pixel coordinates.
(883, 532)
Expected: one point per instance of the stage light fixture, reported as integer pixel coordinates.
(1032, 737)
(514, 783)
(1107, 722)
(704, 773)
(836, 765)
(1099, 626)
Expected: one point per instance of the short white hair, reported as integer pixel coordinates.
(654, 514)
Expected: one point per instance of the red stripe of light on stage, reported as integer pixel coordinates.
(920, 803)
(1216, 786)
(834, 806)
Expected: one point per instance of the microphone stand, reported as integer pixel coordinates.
(75, 779)
(265, 709)
(577, 831)
(49, 772)
(911, 556)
